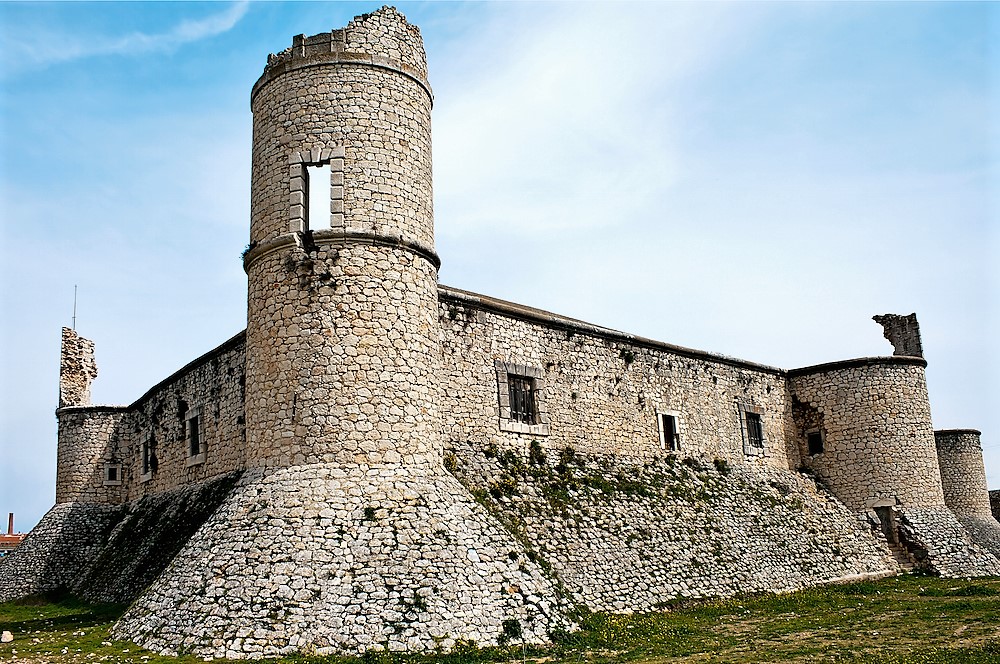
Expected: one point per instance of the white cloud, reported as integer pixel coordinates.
(40, 50)
(571, 122)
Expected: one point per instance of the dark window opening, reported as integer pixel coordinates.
(755, 430)
(522, 399)
(194, 437)
(112, 473)
(814, 440)
(148, 456)
(671, 436)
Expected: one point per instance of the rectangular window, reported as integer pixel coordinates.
(112, 474)
(194, 437)
(814, 440)
(669, 432)
(755, 430)
(318, 196)
(521, 393)
(147, 458)
(522, 399)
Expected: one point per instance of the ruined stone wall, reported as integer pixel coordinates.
(903, 332)
(995, 503)
(876, 424)
(600, 391)
(77, 369)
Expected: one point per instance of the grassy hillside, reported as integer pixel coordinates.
(912, 619)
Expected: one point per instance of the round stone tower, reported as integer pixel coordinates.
(963, 475)
(341, 331)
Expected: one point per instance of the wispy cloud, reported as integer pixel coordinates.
(37, 51)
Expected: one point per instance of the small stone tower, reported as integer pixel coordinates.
(963, 475)
(342, 345)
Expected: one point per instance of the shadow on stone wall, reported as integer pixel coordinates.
(109, 553)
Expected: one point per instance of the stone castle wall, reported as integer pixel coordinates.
(875, 421)
(600, 391)
(157, 428)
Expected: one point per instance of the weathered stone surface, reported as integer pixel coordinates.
(632, 535)
(105, 553)
(67, 540)
(326, 558)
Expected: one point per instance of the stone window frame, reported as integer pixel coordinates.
(194, 415)
(298, 184)
(147, 457)
(822, 441)
(675, 445)
(745, 408)
(117, 468)
(537, 377)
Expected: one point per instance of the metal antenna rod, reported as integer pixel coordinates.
(74, 307)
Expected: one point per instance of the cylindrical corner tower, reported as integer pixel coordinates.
(963, 475)
(878, 440)
(341, 332)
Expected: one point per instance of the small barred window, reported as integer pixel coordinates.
(522, 399)
(755, 430)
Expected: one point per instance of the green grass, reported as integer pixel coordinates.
(911, 619)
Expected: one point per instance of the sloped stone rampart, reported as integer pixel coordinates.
(625, 536)
(147, 535)
(326, 558)
(944, 545)
(106, 553)
(66, 541)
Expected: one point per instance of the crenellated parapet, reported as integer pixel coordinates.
(380, 39)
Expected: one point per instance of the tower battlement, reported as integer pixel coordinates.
(382, 38)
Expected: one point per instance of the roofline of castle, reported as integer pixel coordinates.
(975, 432)
(234, 341)
(858, 362)
(530, 314)
(547, 318)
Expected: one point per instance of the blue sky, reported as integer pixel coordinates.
(753, 179)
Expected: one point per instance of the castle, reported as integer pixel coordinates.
(381, 461)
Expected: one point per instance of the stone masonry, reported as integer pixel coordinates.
(381, 462)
